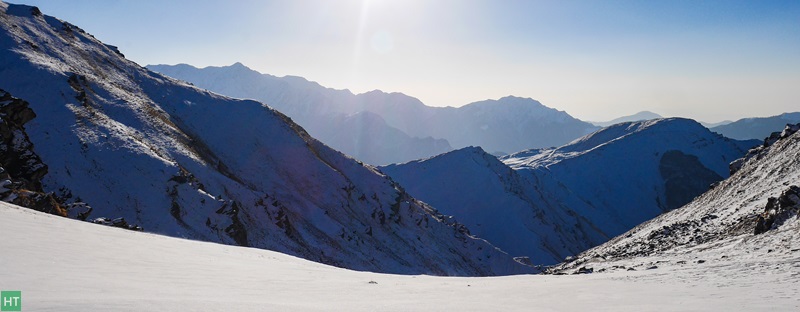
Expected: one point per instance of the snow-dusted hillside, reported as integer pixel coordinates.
(750, 217)
(181, 161)
(66, 265)
(558, 202)
(757, 127)
(497, 203)
(628, 173)
(505, 125)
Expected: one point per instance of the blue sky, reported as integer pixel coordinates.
(708, 60)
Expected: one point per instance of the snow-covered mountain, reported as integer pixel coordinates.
(564, 200)
(184, 162)
(751, 216)
(631, 172)
(757, 127)
(505, 125)
(497, 203)
(336, 117)
(640, 116)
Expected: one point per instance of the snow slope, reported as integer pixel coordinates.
(185, 162)
(497, 203)
(505, 125)
(721, 228)
(631, 172)
(65, 265)
(757, 127)
(559, 202)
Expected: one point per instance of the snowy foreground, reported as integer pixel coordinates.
(67, 265)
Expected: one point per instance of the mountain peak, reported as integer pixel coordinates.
(227, 170)
(640, 116)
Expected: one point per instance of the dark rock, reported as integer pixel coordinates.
(777, 210)
(584, 270)
(758, 152)
(118, 222)
(16, 150)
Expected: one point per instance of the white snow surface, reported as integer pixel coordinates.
(66, 265)
(185, 162)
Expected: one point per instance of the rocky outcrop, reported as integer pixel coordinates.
(778, 210)
(760, 151)
(21, 170)
(16, 150)
(118, 222)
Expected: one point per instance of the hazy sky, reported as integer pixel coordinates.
(597, 60)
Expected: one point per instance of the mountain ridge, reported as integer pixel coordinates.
(185, 162)
(640, 116)
(756, 127)
(548, 204)
(755, 211)
(479, 123)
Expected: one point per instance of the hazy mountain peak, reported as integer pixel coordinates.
(756, 127)
(643, 115)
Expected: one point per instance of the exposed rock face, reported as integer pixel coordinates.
(778, 210)
(16, 150)
(21, 170)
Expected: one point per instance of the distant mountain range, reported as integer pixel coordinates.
(757, 127)
(500, 126)
(113, 142)
(559, 201)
